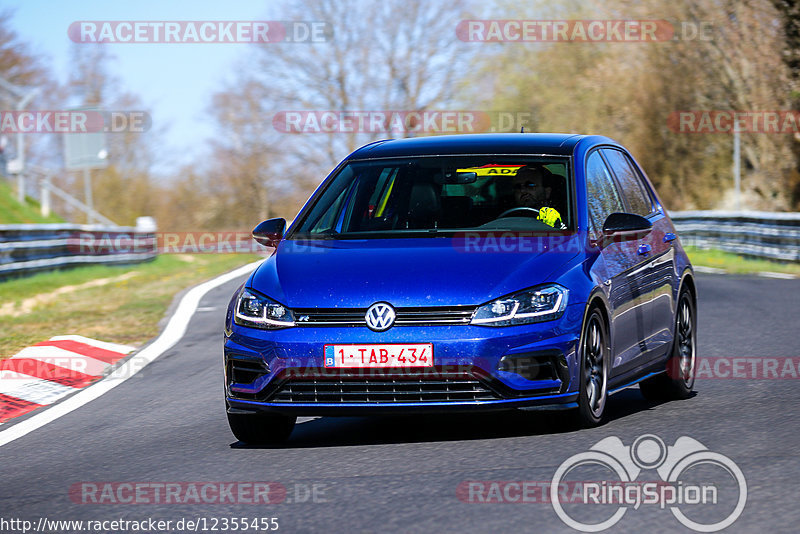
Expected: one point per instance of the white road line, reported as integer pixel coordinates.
(170, 336)
(32, 389)
(764, 274)
(770, 274)
(710, 270)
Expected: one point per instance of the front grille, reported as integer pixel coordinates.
(384, 392)
(416, 316)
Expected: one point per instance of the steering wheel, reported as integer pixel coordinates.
(520, 208)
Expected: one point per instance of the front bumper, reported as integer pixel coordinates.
(476, 368)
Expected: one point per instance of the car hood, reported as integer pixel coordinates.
(408, 272)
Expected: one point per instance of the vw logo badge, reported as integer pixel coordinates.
(380, 316)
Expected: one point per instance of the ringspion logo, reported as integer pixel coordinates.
(704, 490)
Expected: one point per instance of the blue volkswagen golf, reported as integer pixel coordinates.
(456, 273)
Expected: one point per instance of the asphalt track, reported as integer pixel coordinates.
(401, 474)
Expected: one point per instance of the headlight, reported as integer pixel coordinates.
(541, 303)
(254, 309)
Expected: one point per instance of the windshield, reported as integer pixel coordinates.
(433, 195)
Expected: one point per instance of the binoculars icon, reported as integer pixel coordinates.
(647, 452)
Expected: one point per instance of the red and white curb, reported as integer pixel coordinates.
(172, 333)
(53, 369)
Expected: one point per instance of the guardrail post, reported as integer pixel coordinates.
(737, 175)
(87, 184)
(45, 195)
(21, 187)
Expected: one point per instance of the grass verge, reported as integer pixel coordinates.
(121, 304)
(12, 212)
(735, 264)
(125, 304)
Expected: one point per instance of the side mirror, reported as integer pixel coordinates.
(270, 232)
(626, 226)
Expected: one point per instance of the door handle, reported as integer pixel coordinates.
(644, 249)
(669, 236)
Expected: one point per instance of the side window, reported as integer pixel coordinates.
(601, 193)
(327, 219)
(379, 194)
(633, 188)
(383, 190)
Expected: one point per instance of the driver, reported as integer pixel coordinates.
(533, 188)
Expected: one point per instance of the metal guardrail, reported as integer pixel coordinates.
(759, 234)
(27, 248)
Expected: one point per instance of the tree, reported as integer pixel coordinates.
(21, 67)
(628, 91)
(392, 56)
(18, 64)
(790, 22)
(123, 190)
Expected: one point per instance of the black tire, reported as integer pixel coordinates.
(261, 429)
(677, 380)
(593, 372)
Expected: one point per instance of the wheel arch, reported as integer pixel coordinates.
(687, 282)
(598, 299)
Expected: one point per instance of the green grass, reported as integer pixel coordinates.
(733, 263)
(12, 212)
(126, 309)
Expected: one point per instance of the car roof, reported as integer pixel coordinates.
(492, 143)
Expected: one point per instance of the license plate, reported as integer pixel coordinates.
(382, 355)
